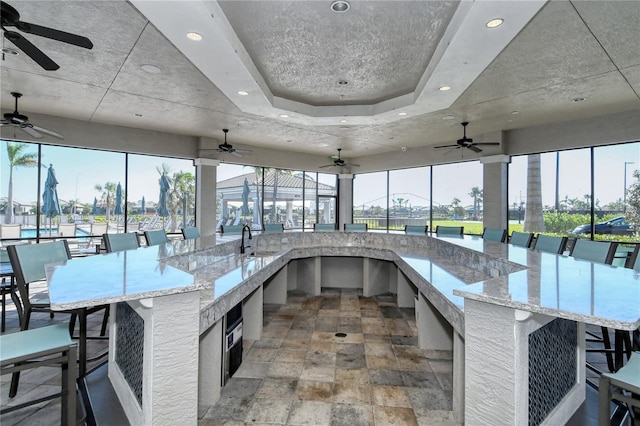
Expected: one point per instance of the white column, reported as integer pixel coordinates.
(345, 202)
(495, 197)
(206, 173)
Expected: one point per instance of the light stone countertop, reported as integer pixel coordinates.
(445, 270)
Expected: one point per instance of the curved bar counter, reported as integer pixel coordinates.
(497, 306)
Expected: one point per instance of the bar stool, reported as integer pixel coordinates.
(39, 347)
(625, 379)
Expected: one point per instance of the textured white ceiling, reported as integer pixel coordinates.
(587, 49)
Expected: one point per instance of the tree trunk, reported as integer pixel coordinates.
(8, 215)
(533, 218)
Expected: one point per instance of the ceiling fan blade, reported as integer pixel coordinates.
(31, 51)
(234, 153)
(4, 122)
(243, 151)
(326, 165)
(487, 143)
(30, 130)
(47, 131)
(352, 164)
(447, 146)
(62, 36)
(474, 148)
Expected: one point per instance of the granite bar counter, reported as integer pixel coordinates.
(460, 287)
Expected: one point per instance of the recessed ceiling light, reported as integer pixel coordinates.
(340, 6)
(10, 51)
(444, 88)
(194, 36)
(495, 23)
(138, 115)
(448, 117)
(343, 121)
(242, 93)
(284, 116)
(151, 69)
(577, 99)
(402, 113)
(343, 82)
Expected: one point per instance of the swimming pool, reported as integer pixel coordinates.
(31, 233)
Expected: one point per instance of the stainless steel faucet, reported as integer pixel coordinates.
(242, 246)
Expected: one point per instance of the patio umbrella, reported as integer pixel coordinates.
(162, 209)
(51, 205)
(245, 197)
(142, 206)
(118, 208)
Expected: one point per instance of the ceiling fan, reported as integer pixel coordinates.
(11, 18)
(22, 121)
(466, 142)
(226, 147)
(337, 161)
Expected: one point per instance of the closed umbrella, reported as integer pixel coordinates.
(163, 210)
(118, 208)
(142, 206)
(245, 198)
(51, 205)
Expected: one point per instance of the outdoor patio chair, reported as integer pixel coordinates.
(273, 228)
(10, 231)
(95, 233)
(40, 347)
(449, 230)
(626, 383)
(324, 227)
(190, 232)
(416, 229)
(550, 244)
(28, 262)
(521, 239)
(355, 227)
(153, 238)
(120, 242)
(494, 234)
(67, 229)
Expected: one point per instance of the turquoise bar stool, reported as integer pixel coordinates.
(190, 233)
(324, 227)
(550, 244)
(493, 234)
(594, 251)
(521, 239)
(231, 229)
(273, 228)
(121, 242)
(40, 347)
(153, 238)
(355, 227)
(416, 229)
(449, 230)
(625, 379)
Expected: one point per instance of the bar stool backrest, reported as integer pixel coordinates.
(190, 233)
(493, 234)
(416, 229)
(28, 260)
(324, 227)
(273, 228)
(550, 244)
(521, 239)
(449, 230)
(355, 227)
(121, 242)
(594, 251)
(158, 236)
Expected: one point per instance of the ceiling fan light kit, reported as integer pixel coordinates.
(466, 142)
(21, 121)
(10, 17)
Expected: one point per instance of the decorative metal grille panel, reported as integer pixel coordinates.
(552, 366)
(130, 347)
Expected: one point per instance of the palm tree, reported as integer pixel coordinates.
(183, 186)
(476, 193)
(17, 158)
(107, 198)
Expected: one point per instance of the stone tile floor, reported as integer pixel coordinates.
(301, 373)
